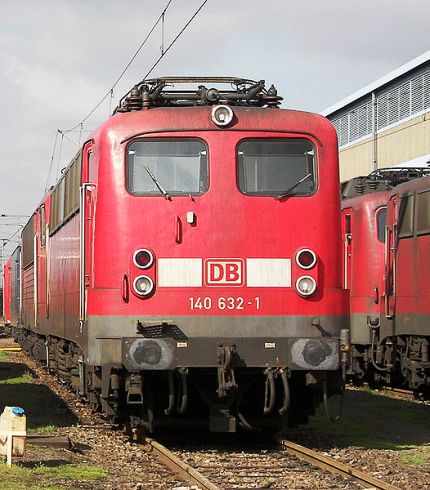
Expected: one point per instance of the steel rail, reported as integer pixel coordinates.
(402, 393)
(330, 464)
(398, 391)
(407, 394)
(183, 470)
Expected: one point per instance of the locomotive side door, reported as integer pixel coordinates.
(390, 257)
(347, 246)
(41, 266)
(86, 229)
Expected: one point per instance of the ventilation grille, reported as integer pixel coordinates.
(393, 105)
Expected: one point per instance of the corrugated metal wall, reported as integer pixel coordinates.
(395, 103)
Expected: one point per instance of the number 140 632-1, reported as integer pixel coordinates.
(223, 303)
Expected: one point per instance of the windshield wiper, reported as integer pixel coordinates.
(157, 183)
(287, 192)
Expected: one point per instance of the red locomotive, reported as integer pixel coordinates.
(185, 264)
(6, 295)
(385, 270)
(11, 291)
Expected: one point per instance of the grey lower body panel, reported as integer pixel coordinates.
(360, 330)
(298, 342)
(408, 324)
(400, 324)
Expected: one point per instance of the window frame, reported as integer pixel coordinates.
(27, 242)
(379, 211)
(409, 232)
(421, 231)
(42, 220)
(158, 194)
(273, 194)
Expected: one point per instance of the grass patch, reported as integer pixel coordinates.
(418, 456)
(44, 476)
(72, 472)
(17, 378)
(413, 459)
(44, 429)
(19, 478)
(372, 421)
(349, 432)
(44, 410)
(11, 373)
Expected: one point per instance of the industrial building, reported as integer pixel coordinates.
(386, 123)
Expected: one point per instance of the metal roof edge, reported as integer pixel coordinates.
(389, 77)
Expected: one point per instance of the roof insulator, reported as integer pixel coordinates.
(134, 100)
(272, 98)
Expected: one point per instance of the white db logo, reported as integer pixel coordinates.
(224, 272)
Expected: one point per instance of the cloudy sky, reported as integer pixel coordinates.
(58, 58)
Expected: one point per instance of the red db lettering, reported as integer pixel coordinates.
(224, 272)
(232, 272)
(216, 273)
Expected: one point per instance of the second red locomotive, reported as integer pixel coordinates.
(387, 266)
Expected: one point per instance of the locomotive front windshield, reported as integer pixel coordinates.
(273, 167)
(173, 166)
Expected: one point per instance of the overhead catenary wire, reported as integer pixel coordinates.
(48, 179)
(63, 135)
(162, 33)
(110, 91)
(13, 234)
(3, 243)
(18, 225)
(7, 216)
(59, 153)
(9, 224)
(164, 51)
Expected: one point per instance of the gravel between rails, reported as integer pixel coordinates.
(252, 463)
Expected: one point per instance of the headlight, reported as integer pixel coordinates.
(222, 115)
(315, 354)
(143, 285)
(147, 352)
(306, 258)
(306, 285)
(143, 258)
(151, 354)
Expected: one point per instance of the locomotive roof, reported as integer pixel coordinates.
(382, 179)
(177, 91)
(124, 126)
(417, 184)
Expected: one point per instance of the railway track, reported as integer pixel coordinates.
(400, 393)
(404, 394)
(186, 472)
(334, 466)
(408, 394)
(211, 471)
